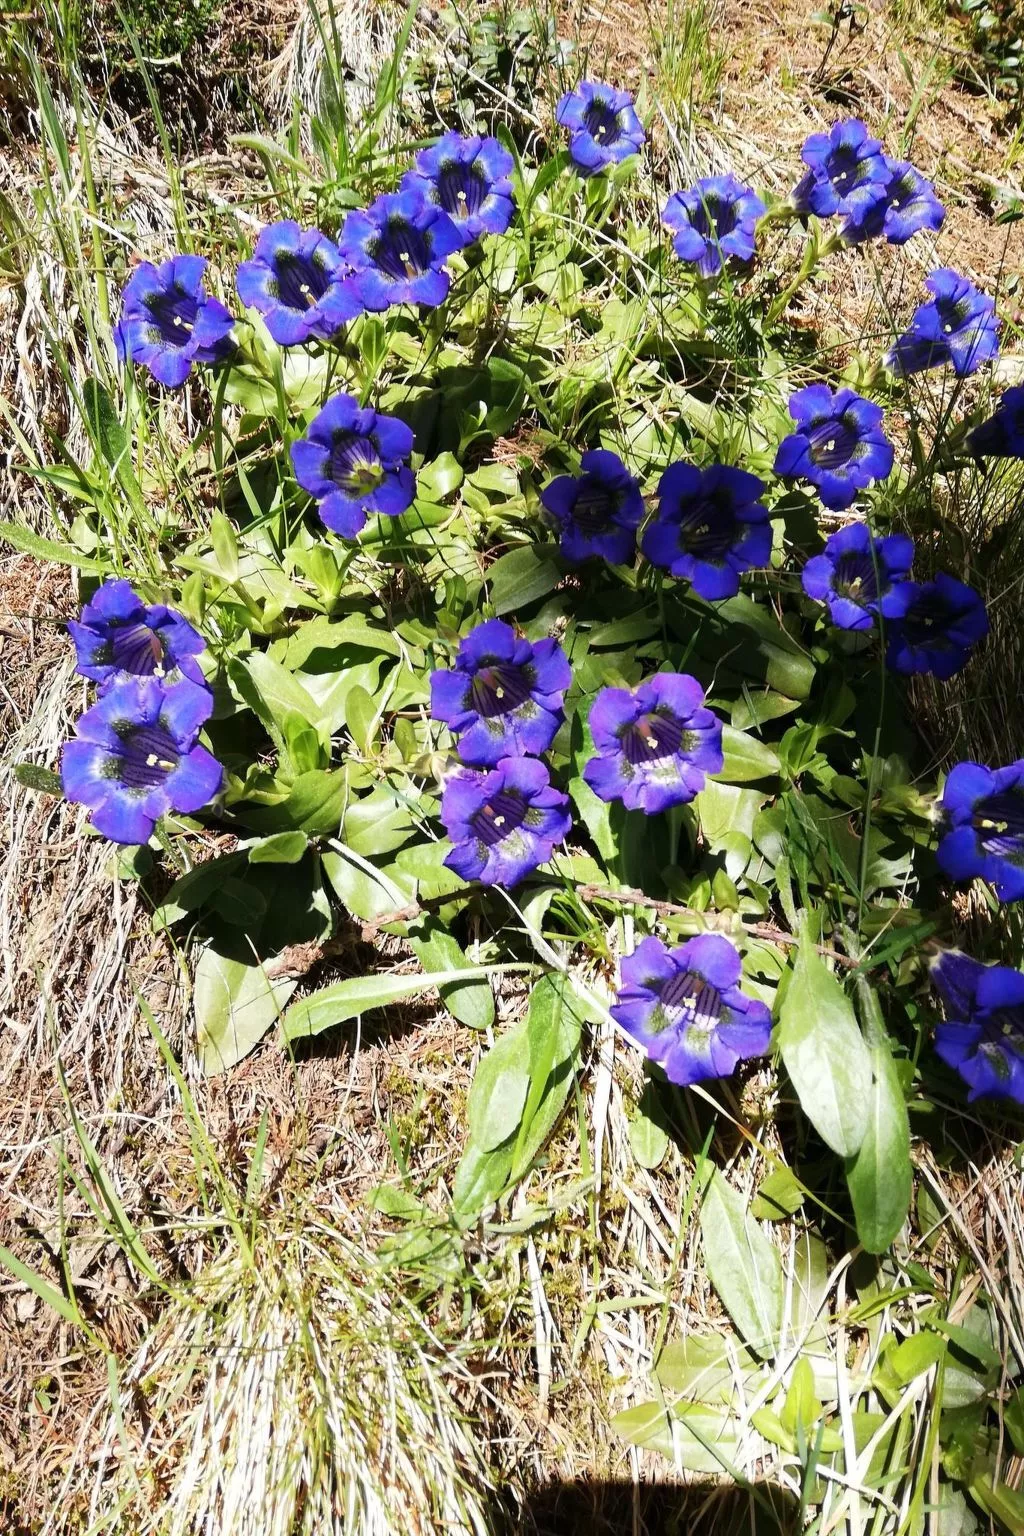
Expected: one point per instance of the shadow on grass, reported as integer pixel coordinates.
(586, 1508)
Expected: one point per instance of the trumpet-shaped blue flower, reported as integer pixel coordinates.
(960, 326)
(503, 823)
(685, 1009)
(397, 249)
(504, 695)
(353, 462)
(983, 1035)
(603, 126)
(984, 808)
(297, 281)
(839, 163)
(168, 320)
(1002, 435)
(710, 527)
(597, 512)
(905, 204)
(717, 218)
(943, 620)
(858, 577)
(839, 445)
(467, 178)
(655, 744)
(134, 756)
(119, 634)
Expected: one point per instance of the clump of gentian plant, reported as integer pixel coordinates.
(534, 615)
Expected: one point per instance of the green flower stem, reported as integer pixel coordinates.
(813, 254)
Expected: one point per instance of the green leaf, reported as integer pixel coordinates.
(497, 1097)
(191, 890)
(778, 1195)
(356, 995)
(315, 805)
(235, 1004)
(279, 848)
(521, 577)
(30, 543)
(364, 891)
(479, 1180)
(108, 432)
(360, 718)
(647, 1130)
(35, 776)
(323, 634)
(471, 1002)
(825, 1055)
(706, 1366)
(437, 480)
(746, 758)
(701, 1438)
(743, 1266)
(880, 1176)
(225, 546)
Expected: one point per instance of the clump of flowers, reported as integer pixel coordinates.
(136, 755)
(397, 249)
(903, 205)
(685, 1009)
(504, 695)
(169, 322)
(984, 809)
(603, 126)
(942, 622)
(503, 823)
(467, 178)
(982, 1037)
(717, 218)
(839, 445)
(1002, 435)
(710, 527)
(297, 281)
(959, 326)
(353, 461)
(597, 512)
(656, 744)
(858, 577)
(119, 635)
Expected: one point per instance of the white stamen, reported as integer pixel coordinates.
(461, 196)
(652, 742)
(152, 760)
(499, 821)
(403, 255)
(499, 693)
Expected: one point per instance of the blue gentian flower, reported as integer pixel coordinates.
(503, 823)
(397, 249)
(984, 808)
(959, 326)
(905, 204)
(297, 281)
(710, 527)
(118, 634)
(468, 179)
(715, 219)
(353, 462)
(504, 696)
(603, 126)
(942, 622)
(655, 744)
(839, 445)
(134, 756)
(1002, 435)
(684, 1008)
(983, 1036)
(597, 512)
(857, 577)
(840, 162)
(168, 320)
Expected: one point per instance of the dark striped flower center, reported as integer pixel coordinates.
(595, 507)
(355, 464)
(148, 754)
(926, 620)
(502, 815)
(137, 649)
(173, 313)
(653, 738)
(461, 189)
(689, 1000)
(953, 314)
(855, 578)
(708, 529)
(498, 689)
(832, 441)
(717, 216)
(844, 168)
(602, 123)
(401, 250)
(999, 823)
(301, 281)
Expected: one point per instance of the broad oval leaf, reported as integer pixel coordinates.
(500, 1086)
(746, 758)
(743, 1266)
(347, 999)
(235, 1003)
(880, 1176)
(825, 1055)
